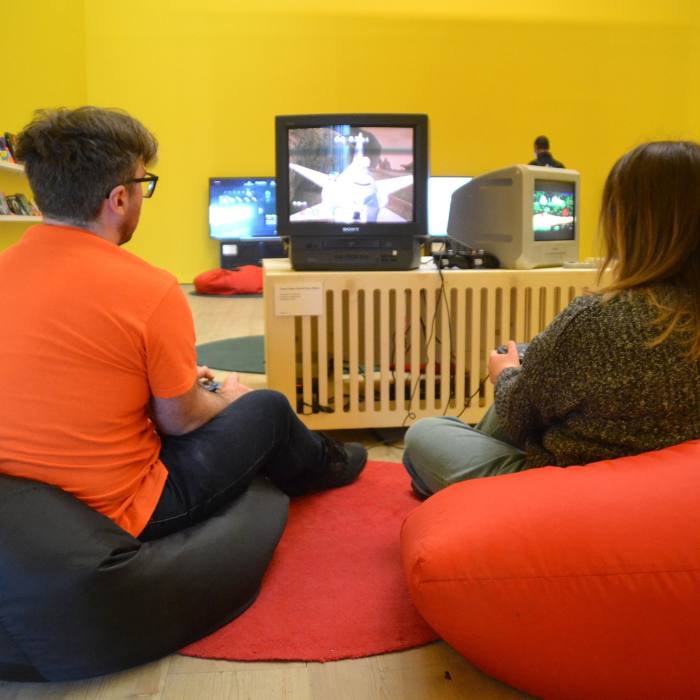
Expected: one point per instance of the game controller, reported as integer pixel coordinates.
(522, 347)
(210, 385)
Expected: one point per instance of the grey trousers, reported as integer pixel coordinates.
(442, 451)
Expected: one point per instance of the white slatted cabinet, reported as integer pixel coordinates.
(391, 347)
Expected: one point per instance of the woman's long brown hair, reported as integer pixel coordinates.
(650, 223)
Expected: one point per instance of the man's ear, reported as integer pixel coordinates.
(117, 200)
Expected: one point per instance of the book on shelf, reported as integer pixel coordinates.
(20, 205)
(14, 204)
(27, 205)
(10, 143)
(4, 209)
(5, 155)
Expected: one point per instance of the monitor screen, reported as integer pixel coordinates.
(554, 210)
(440, 189)
(351, 174)
(242, 207)
(357, 174)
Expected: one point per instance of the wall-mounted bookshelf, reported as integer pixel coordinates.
(6, 166)
(12, 167)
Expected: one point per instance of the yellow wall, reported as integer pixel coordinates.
(43, 64)
(209, 76)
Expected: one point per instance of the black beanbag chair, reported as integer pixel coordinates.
(80, 597)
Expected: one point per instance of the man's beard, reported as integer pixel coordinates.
(126, 230)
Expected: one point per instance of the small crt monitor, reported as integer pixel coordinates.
(525, 215)
(440, 189)
(242, 208)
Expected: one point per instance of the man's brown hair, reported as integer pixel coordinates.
(650, 224)
(74, 157)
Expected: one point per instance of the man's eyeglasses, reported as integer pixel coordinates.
(148, 184)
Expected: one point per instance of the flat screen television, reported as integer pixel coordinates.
(352, 181)
(440, 189)
(243, 217)
(242, 207)
(525, 215)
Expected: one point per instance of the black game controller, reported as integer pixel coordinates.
(522, 348)
(210, 385)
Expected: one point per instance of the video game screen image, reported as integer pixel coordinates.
(553, 211)
(345, 174)
(242, 207)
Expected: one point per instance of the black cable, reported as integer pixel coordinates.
(386, 443)
(409, 412)
(446, 248)
(469, 399)
(315, 408)
(442, 298)
(443, 292)
(395, 443)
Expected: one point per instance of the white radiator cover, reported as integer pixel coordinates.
(389, 348)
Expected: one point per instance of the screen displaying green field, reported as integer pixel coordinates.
(554, 211)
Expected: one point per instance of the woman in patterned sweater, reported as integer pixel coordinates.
(617, 372)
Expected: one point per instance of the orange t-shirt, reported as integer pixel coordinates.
(88, 331)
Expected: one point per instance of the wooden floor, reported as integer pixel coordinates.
(431, 672)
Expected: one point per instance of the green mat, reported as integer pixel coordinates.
(245, 354)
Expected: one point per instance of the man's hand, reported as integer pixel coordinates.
(182, 414)
(498, 362)
(232, 388)
(203, 372)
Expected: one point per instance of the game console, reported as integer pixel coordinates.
(466, 260)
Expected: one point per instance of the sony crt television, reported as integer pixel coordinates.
(525, 215)
(243, 217)
(352, 190)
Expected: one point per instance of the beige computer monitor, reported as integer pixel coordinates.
(525, 215)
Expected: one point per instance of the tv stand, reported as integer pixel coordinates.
(251, 251)
(380, 351)
(355, 252)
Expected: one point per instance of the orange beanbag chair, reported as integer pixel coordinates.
(581, 582)
(246, 279)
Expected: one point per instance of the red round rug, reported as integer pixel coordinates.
(335, 588)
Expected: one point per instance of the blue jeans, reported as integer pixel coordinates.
(442, 451)
(259, 433)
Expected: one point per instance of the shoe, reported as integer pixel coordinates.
(345, 462)
(342, 462)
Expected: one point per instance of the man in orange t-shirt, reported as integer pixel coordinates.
(101, 392)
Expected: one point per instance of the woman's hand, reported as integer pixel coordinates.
(498, 362)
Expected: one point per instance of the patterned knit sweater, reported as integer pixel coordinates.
(590, 388)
